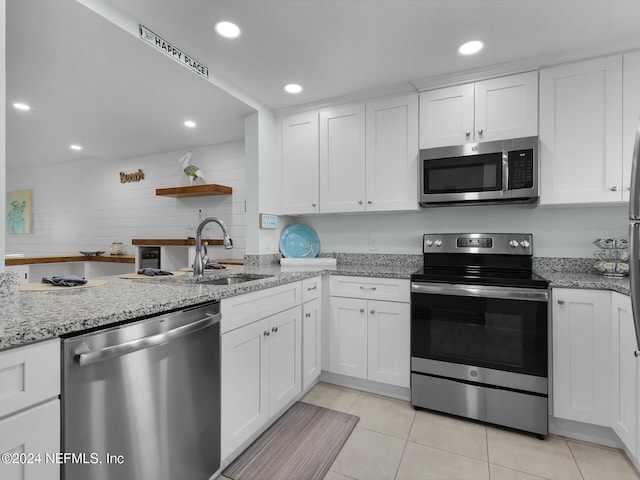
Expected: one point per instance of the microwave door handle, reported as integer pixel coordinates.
(505, 170)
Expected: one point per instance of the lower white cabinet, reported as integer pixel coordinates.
(30, 411)
(582, 355)
(625, 371)
(260, 371)
(370, 338)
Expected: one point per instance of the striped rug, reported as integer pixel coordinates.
(300, 445)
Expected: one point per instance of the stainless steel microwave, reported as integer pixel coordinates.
(503, 171)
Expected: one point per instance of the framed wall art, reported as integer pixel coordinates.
(19, 213)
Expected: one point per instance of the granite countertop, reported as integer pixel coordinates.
(33, 316)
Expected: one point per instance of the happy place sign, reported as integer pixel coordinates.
(172, 51)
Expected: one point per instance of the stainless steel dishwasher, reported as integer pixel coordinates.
(142, 400)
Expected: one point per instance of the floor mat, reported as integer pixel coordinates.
(300, 445)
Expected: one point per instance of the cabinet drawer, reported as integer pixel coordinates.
(390, 289)
(311, 289)
(245, 309)
(29, 375)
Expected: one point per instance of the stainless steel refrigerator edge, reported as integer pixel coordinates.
(142, 400)
(634, 235)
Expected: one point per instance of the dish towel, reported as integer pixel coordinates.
(64, 280)
(152, 272)
(214, 265)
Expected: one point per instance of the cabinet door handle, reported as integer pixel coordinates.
(266, 333)
(274, 329)
(372, 311)
(313, 205)
(369, 202)
(614, 188)
(560, 302)
(360, 202)
(362, 310)
(480, 131)
(311, 289)
(467, 134)
(636, 354)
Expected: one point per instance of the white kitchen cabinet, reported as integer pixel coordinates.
(388, 342)
(260, 360)
(300, 167)
(582, 355)
(311, 330)
(631, 115)
(30, 410)
(348, 337)
(369, 155)
(369, 338)
(494, 109)
(581, 132)
(342, 159)
(28, 437)
(624, 369)
(285, 358)
(392, 154)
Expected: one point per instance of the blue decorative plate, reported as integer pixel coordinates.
(299, 241)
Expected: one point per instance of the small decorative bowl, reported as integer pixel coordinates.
(612, 269)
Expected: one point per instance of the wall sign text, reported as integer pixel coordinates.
(131, 177)
(170, 49)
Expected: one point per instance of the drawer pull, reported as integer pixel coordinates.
(310, 289)
(373, 289)
(560, 302)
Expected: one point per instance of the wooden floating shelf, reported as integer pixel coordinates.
(194, 190)
(70, 258)
(173, 242)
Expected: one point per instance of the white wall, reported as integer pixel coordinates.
(81, 205)
(558, 232)
(3, 82)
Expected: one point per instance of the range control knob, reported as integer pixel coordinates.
(428, 242)
(438, 243)
(524, 244)
(513, 243)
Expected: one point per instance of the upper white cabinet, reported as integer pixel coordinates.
(630, 115)
(342, 159)
(300, 174)
(495, 109)
(392, 154)
(581, 132)
(351, 158)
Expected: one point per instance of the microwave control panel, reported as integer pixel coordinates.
(520, 169)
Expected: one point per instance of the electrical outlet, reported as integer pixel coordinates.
(373, 243)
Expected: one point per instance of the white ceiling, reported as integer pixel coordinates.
(94, 84)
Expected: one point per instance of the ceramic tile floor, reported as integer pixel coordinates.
(392, 441)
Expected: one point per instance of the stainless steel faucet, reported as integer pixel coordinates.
(200, 260)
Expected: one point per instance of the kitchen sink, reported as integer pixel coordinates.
(232, 279)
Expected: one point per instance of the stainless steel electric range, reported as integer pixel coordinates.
(479, 330)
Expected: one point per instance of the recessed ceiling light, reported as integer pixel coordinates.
(75, 147)
(292, 88)
(227, 29)
(469, 48)
(189, 124)
(21, 106)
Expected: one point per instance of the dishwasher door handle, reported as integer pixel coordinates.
(85, 356)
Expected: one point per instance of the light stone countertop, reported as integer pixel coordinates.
(33, 316)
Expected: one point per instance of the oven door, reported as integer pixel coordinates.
(498, 328)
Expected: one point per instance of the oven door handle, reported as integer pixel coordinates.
(461, 290)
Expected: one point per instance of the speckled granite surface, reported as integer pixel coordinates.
(32, 316)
